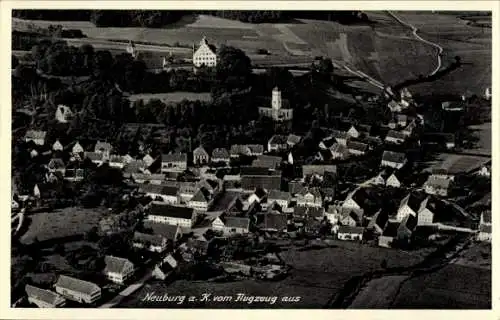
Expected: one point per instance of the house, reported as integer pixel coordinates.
(452, 105)
(449, 140)
(205, 54)
(390, 233)
(389, 178)
(33, 153)
(394, 180)
(44, 298)
(220, 155)
(57, 146)
(353, 132)
(231, 225)
(38, 137)
(169, 232)
(340, 137)
(103, 147)
(378, 222)
(63, 114)
(350, 233)
(274, 222)
(167, 194)
(56, 165)
(327, 143)
(173, 215)
(164, 268)
(77, 149)
(426, 211)
(277, 111)
(277, 143)
(77, 290)
(339, 151)
(318, 171)
(408, 130)
(406, 227)
(150, 242)
(118, 269)
(258, 196)
(246, 150)
(282, 198)
(156, 178)
(96, 157)
(266, 161)
(395, 137)
(356, 148)
(409, 205)
(484, 233)
(116, 161)
(484, 171)
(268, 180)
(323, 155)
(173, 162)
(437, 185)
(310, 197)
(402, 120)
(351, 217)
(293, 140)
(355, 200)
(255, 149)
(201, 200)
(393, 159)
(148, 160)
(200, 156)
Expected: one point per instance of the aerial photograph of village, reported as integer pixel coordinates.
(251, 159)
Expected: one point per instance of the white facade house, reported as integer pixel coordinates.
(77, 290)
(205, 55)
(57, 146)
(350, 233)
(63, 114)
(44, 298)
(173, 215)
(118, 269)
(38, 137)
(394, 160)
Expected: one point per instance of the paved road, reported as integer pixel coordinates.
(414, 31)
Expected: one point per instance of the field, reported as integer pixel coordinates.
(378, 293)
(458, 285)
(61, 223)
(171, 97)
(483, 132)
(455, 163)
(316, 277)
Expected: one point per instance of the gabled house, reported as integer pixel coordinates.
(77, 149)
(258, 196)
(96, 157)
(339, 151)
(340, 137)
(406, 227)
(201, 200)
(357, 148)
(116, 161)
(266, 161)
(437, 185)
(378, 222)
(327, 143)
(78, 290)
(169, 232)
(353, 132)
(402, 120)
(56, 165)
(148, 160)
(63, 114)
(173, 162)
(393, 159)
(309, 197)
(57, 146)
(150, 242)
(259, 178)
(408, 130)
(277, 143)
(350, 233)
(38, 137)
(395, 137)
(274, 222)
(390, 233)
(173, 215)
(317, 171)
(157, 192)
(205, 54)
(282, 198)
(104, 148)
(293, 140)
(200, 156)
(118, 269)
(426, 212)
(156, 178)
(409, 205)
(355, 200)
(220, 155)
(255, 149)
(231, 225)
(43, 298)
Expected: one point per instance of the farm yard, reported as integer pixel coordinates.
(317, 276)
(61, 223)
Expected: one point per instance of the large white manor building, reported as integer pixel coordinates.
(205, 54)
(277, 112)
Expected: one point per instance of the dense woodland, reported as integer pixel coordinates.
(159, 18)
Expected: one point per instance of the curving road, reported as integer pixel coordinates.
(414, 31)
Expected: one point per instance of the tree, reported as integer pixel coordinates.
(14, 62)
(234, 67)
(326, 65)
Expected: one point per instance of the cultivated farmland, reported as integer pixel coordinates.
(61, 223)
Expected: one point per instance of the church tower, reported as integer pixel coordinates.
(276, 99)
(131, 49)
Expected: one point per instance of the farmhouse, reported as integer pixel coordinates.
(266, 161)
(78, 290)
(357, 148)
(437, 185)
(118, 269)
(339, 151)
(167, 194)
(173, 162)
(277, 112)
(340, 137)
(156, 178)
(38, 137)
(201, 200)
(395, 137)
(169, 232)
(293, 139)
(63, 114)
(205, 54)
(104, 148)
(173, 215)
(150, 242)
(317, 171)
(309, 197)
(260, 178)
(231, 225)
(393, 159)
(77, 149)
(148, 160)
(200, 156)
(350, 233)
(277, 143)
(409, 205)
(57, 146)
(44, 298)
(220, 155)
(282, 198)
(426, 212)
(274, 222)
(378, 222)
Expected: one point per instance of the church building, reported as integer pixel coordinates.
(277, 112)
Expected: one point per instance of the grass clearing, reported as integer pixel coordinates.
(62, 223)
